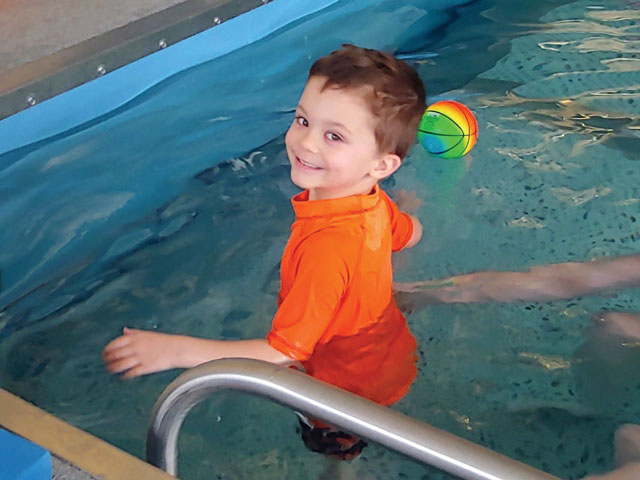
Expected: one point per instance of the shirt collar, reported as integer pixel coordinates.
(305, 208)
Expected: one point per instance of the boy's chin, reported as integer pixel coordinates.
(301, 182)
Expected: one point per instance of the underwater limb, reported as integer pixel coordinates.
(627, 455)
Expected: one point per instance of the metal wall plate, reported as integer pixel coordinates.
(26, 85)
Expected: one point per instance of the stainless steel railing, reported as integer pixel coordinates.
(320, 400)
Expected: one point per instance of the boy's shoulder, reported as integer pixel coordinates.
(331, 249)
(337, 238)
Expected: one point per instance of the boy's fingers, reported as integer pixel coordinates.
(135, 372)
(121, 365)
(117, 354)
(117, 343)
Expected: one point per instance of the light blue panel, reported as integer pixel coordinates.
(22, 460)
(106, 93)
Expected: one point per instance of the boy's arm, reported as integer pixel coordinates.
(139, 352)
(406, 229)
(416, 235)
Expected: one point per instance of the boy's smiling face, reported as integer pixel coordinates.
(332, 146)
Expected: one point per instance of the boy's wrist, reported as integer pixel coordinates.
(190, 351)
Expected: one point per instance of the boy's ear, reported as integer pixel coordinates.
(385, 165)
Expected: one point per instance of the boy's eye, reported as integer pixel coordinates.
(300, 120)
(334, 137)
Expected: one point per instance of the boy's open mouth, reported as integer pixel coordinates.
(307, 164)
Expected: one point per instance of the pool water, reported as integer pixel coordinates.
(172, 213)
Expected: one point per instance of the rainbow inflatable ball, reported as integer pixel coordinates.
(448, 129)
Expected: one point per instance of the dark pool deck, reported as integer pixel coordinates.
(63, 470)
(49, 47)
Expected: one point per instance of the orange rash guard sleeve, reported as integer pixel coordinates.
(401, 224)
(320, 279)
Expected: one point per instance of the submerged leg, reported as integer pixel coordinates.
(630, 471)
(622, 324)
(606, 364)
(627, 445)
(627, 455)
(337, 469)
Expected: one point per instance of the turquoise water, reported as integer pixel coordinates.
(172, 214)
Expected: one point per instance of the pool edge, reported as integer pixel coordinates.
(76, 446)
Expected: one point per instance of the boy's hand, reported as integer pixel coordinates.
(407, 302)
(407, 201)
(139, 352)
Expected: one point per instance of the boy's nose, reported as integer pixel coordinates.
(308, 142)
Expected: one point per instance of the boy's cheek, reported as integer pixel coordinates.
(287, 142)
(289, 136)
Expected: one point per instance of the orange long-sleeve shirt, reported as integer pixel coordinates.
(336, 312)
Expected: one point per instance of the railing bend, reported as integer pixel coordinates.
(320, 400)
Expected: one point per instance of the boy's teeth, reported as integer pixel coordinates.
(307, 164)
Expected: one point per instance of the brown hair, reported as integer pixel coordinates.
(393, 91)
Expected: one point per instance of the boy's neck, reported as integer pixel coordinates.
(324, 194)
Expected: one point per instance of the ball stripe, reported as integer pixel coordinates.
(466, 120)
(450, 118)
(448, 149)
(444, 134)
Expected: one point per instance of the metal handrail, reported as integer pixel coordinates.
(333, 405)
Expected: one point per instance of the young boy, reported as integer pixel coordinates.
(355, 121)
